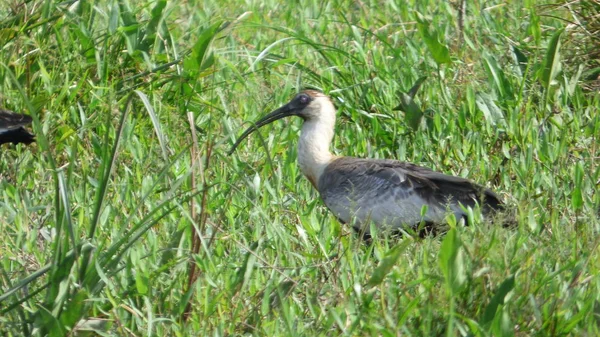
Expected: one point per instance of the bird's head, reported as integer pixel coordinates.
(310, 105)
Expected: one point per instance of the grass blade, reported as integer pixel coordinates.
(155, 122)
(551, 66)
(491, 310)
(436, 48)
(387, 263)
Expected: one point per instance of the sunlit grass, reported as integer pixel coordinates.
(97, 218)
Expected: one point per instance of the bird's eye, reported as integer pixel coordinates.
(304, 99)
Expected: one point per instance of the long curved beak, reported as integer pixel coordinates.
(284, 111)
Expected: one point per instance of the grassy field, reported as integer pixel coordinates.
(127, 217)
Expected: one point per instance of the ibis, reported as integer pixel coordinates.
(12, 128)
(389, 193)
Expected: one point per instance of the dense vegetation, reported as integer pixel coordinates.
(128, 218)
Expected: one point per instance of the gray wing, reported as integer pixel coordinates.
(12, 128)
(10, 120)
(393, 193)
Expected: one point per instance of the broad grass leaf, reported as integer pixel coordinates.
(130, 27)
(502, 85)
(576, 198)
(551, 66)
(113, 18)
(387, 263)
(58, 277)
(415, 88)
(194, 62)
(142, 282)
(520, 60)
(157, 15)
(502, 325)
(437, 49)
(491, 111)
(155, 122)
(185, 299)
(532, 222)
(155, 24)
(577, 195)
(49, 324)
(452, 261)
(243, 274)
(580, 316)
(412, 112)
(498, 300)
(74, 308)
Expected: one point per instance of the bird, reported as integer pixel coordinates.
(392, 194)
(12, 128)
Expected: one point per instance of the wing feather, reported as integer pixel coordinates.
(392, 193)
(12, 128)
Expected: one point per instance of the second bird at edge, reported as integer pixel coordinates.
(389, 193)
(12, 128)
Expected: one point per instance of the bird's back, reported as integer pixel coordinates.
(392, 193)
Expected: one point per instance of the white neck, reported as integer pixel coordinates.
(313, 147)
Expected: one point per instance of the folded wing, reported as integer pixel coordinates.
(392, 193)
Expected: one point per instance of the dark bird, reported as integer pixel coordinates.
(389, 193)
(12, 128)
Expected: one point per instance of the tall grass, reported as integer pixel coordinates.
(128, 218)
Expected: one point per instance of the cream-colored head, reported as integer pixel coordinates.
(315, 106)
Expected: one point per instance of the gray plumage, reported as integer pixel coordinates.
(392, 193)
(12, 128)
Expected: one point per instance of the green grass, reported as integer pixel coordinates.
(104, 219)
